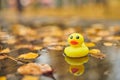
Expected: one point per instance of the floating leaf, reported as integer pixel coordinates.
(29, 55)
(97, 53)
(90, 44)
(37, 47)
(117, 37)
(108, 44)
(3, 78)
(3, 57)
(7, 50)
(45, 68)
(23, 46)
(28, 77)
(35, 69)
(30, 68)
(29, 46)
(56, 48)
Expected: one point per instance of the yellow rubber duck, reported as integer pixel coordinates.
(77, 46)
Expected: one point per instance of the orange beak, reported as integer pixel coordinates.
(73, 42)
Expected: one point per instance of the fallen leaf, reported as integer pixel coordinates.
(108, 44)
(117, 37)
(37, 47)
(45, 68)
(35, 69)
(7, 50)
(3, 57)
(28, 77)
(97, 53)
(57, 48)
(29, 46)
(11, 41)
(109, 38)
(96, 39)
(103, 33)
(30, 68)
(24, 46)
(3, 78)
(29, 55)
(90, 44)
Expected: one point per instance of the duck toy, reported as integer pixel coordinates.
(77, 47)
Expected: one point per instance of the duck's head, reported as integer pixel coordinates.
(75, 40)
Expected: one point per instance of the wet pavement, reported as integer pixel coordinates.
(95, 69)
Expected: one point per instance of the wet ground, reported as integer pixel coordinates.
(95, 69)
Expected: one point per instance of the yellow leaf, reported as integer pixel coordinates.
(97, 53)
(3, 78)
(23, 46)
(7, 50)
(89, 44)
(27, 77)
(94, 51)
(37, 47)
(29, 55)
(108, 44)
(117, 37)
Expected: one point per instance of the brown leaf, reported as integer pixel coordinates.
(3, 56)
(45, 68)
(30, 68)
(34, 69)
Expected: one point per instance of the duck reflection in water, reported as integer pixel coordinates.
(76, 65)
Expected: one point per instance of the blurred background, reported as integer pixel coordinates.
(15, 10)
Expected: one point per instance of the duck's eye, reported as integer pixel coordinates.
(77, 37)
(71, 37)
